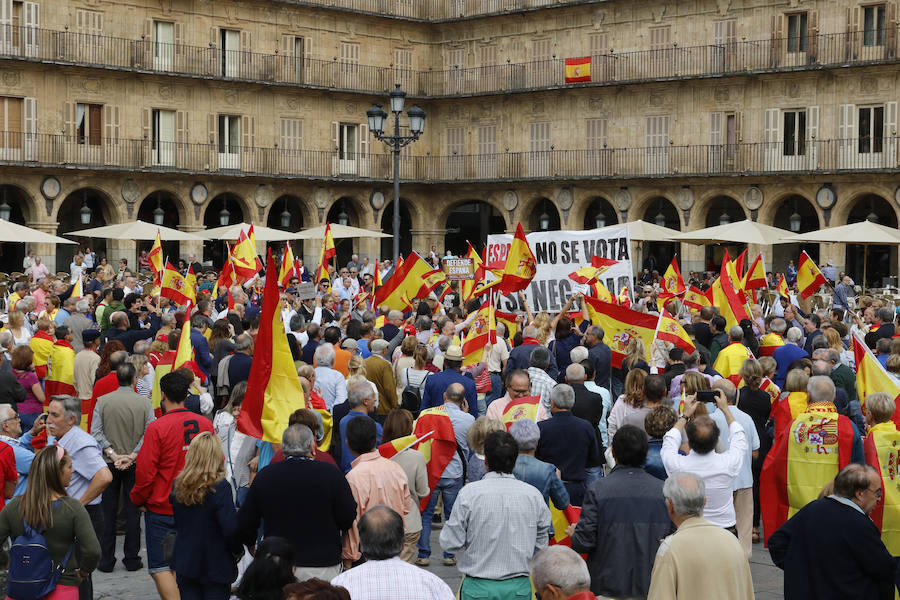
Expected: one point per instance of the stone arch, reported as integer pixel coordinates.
(840, 214)
(449, 204)
(103, 211)
(710, 206)
(173, 214)
(238, 212)
(407, 208)
(543, 215)
(20, 206)
(653, 208)
(869, 264)
(782, 211)
(471, 221)
(355, 213)
(599, 206)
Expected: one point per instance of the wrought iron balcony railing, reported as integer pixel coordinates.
(809, 156)
(611, 68)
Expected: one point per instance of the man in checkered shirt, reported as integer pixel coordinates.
(384, 576)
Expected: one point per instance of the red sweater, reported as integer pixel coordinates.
(161, 457)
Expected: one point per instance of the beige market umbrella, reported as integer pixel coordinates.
(642, 231)
(260, 232)
(13, 232)
(137, 230)
(741, 232)
(866, 233)
(338, 232)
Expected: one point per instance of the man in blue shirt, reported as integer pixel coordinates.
(787, 354)
(361, 399)
(438, 383)
(452, 479)
(11, 433)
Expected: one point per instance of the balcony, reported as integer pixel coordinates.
(209, 62)
(814, 156)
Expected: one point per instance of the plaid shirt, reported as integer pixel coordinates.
(541, 385)
(392, 579)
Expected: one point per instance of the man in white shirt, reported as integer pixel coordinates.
(743, 483)
(718, 471)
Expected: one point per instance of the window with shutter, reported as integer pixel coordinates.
(90, 28)
(455, 62)
(229, 142)
(12, 124)
(873, 25)
(403, 67)
(291, 138)
(870, 129)
(162, 137)
(455, 141)
(487, 151)
(31, 128)
(163, 45)
(539, 149)
(31, 28)
(596, 134)
(349, 63)
(797, 32)
(230, 45)
(661, 51)
(794, 131)
(487, 55)
(657, 144)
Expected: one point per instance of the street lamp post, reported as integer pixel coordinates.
(396, 142)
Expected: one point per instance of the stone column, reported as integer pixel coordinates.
(47, 252)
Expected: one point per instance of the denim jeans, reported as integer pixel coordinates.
(593, 474)
(448, 488)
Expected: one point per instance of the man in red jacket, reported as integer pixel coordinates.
(159, 461)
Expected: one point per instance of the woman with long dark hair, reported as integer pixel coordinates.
(272, 569)
(45, 506)
(109, 347)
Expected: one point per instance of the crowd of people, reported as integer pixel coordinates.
(679, 463)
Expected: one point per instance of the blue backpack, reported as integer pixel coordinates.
(32, 574)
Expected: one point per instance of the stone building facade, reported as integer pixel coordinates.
(696, 112)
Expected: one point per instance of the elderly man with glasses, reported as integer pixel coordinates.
(11, 433)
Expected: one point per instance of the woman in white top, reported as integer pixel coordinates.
(631, 402)
(405, 360)
(77, 267)
(415, 375)
(144, 385)
(16, 326)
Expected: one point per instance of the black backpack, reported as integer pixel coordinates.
(32, 574)
(411, 396)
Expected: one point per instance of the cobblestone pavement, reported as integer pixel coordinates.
(122, 585)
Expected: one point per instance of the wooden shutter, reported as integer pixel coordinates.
(69, 118)
(890, 33)
(214, 37)
(213, 128)
(779, 43)
(182, 127)
(812, 40)
(715, 129)
(772, 127)
(846, 123)
(31, 127)
(146, 123)
(364, 141)
(32, 13)
(854, 36)
(335, 135)
(95, 124)
(248, 131)
(890, 120)
(812, 123)
(179, 39)
(246, 49)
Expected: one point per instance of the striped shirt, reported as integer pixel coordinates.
(498, 524)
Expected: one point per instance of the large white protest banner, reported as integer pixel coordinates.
(559, 253)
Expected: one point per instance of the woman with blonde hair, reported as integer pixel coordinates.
(53, 304)
(833, 337)
(635, 358)
(16, 326)
(475, 436)
(792, 401)
(542, 324)
(206, 523)
(630, 402)
(45, 506)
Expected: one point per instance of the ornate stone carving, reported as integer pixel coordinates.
(622, 199)
(510, 200)
(753, 198)
(565, 199)
(131, 191)
(685, 198)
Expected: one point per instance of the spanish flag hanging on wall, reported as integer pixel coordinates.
(882, 447)
(578, 69)
(806, 455)
(809, 277)
(620, 325)
(273, 390)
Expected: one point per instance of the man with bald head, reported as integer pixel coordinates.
(588, 406)
(118, 329)
(743, 483)
(520, 356)
(718, 471)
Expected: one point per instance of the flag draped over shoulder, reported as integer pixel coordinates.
(620, 325)
(809, 278)
(61, 379)
(405, 284)
(42, 345)
(521, 408)
(273, 390)
(805, 456)
(439, 448)
(882, 448)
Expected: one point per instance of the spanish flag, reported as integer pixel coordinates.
(467, 286)
(809, 278)
(273, 390)
(578, 69)
(185, 352)
(882, 447)
(175, 287)
(405, 284)
(396, 446)
(482, 331)
(77, 289)
(562, 519)
(42, 345)
(599, 291)
(670, 330)
(788, 407)
(728, 298)
(430, 281)
(620, 325)
(287, 266)
(696, 299)
(521, 408)
(739, 264)
(672, 281)
(805, 456)
(871, 376)
(588, 275)
(438, 449)
(163, 367)
(227, 278)
(157, 262)
(520, 267)
(782, 288)
(756, 275)
(61, 379)
(251, 235)
(244, 257)
(190, 281)
(376, 277)
(769, 343)
(509, 321)
(328, 251)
